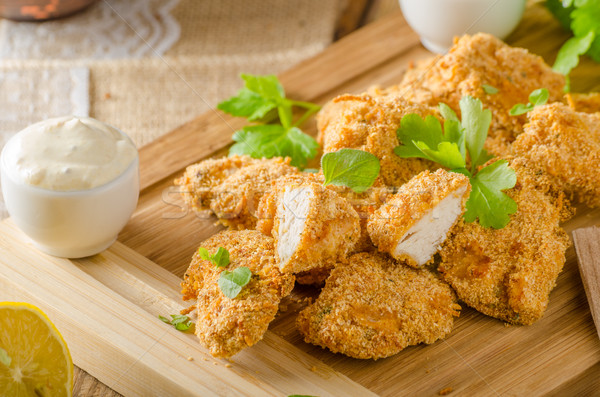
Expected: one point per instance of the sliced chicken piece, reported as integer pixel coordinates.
(413, 223)
(313, 226)
(373, 307)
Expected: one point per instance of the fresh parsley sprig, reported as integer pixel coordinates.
(179, 321)
(582, 17)
(219, 259)
(263, 100)
(536, 98)
(231, 283)
(451, 147)
(353, 168)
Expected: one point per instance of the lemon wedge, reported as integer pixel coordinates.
(34, 358)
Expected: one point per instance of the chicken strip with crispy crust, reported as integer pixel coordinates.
(226, 326)
(373, 307)
(566, 144)
(508, 273)
(369, 123)
(232, 186)
(413, 223)
(313, 226)
(475, 61)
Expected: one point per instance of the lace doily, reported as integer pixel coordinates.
(109, 29)
(30, 95)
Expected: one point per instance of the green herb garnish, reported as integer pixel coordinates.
(353, 168)
(490, 89)
(582, 17)
(424, 138)
(263, 100)
(231, 283)
(179, 321)
(536, 98)
(4, 357)
(220, 258)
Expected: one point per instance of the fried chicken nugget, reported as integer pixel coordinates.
(313, 226)
(413, 223)
(475, 61)
(231, 186)
(369, 123)
(566, 144)
(373, 307)
(508, 273)
(226, 326)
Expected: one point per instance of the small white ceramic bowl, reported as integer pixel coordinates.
(437, 22)
(72, 224)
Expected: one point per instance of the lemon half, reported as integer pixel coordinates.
(34, 358)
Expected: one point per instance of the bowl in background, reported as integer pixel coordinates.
(437, 22)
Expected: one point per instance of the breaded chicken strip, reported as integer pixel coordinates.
(369, 123)
(226, 326)
(373, 307)
(231, 186)
(508, 273)
(313, 226)
(566, 144)
(413, 223)
(477, 60)
(587, 103)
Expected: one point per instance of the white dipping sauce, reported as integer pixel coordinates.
(70, 184)
(68, 153)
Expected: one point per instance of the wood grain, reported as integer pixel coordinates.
(587, 244)
(558, 355)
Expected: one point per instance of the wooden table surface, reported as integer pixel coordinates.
(585, 77)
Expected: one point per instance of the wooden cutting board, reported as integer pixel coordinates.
(106, 306)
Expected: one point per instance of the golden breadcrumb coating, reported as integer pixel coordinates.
(373, 307)
(508, 273)
(313, 226)
(477, 60)
(316, 276)
(587, 103)
(226, 326)
(231, 186)
(393, 221)
(566, 144)
(369, 123)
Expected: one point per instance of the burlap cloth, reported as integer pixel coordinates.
(219, 39)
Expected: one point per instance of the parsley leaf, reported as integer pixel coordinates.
(263, 100)
(536, 98)
(231, 283)
(178, 321)
(353, 168)
(476, 122)
(271, 140)
(583, 18)
(219, 259)
(424, 138)
(568, 55)
(487, 201)
(490, 89)
(4, 357)
(248, 104)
